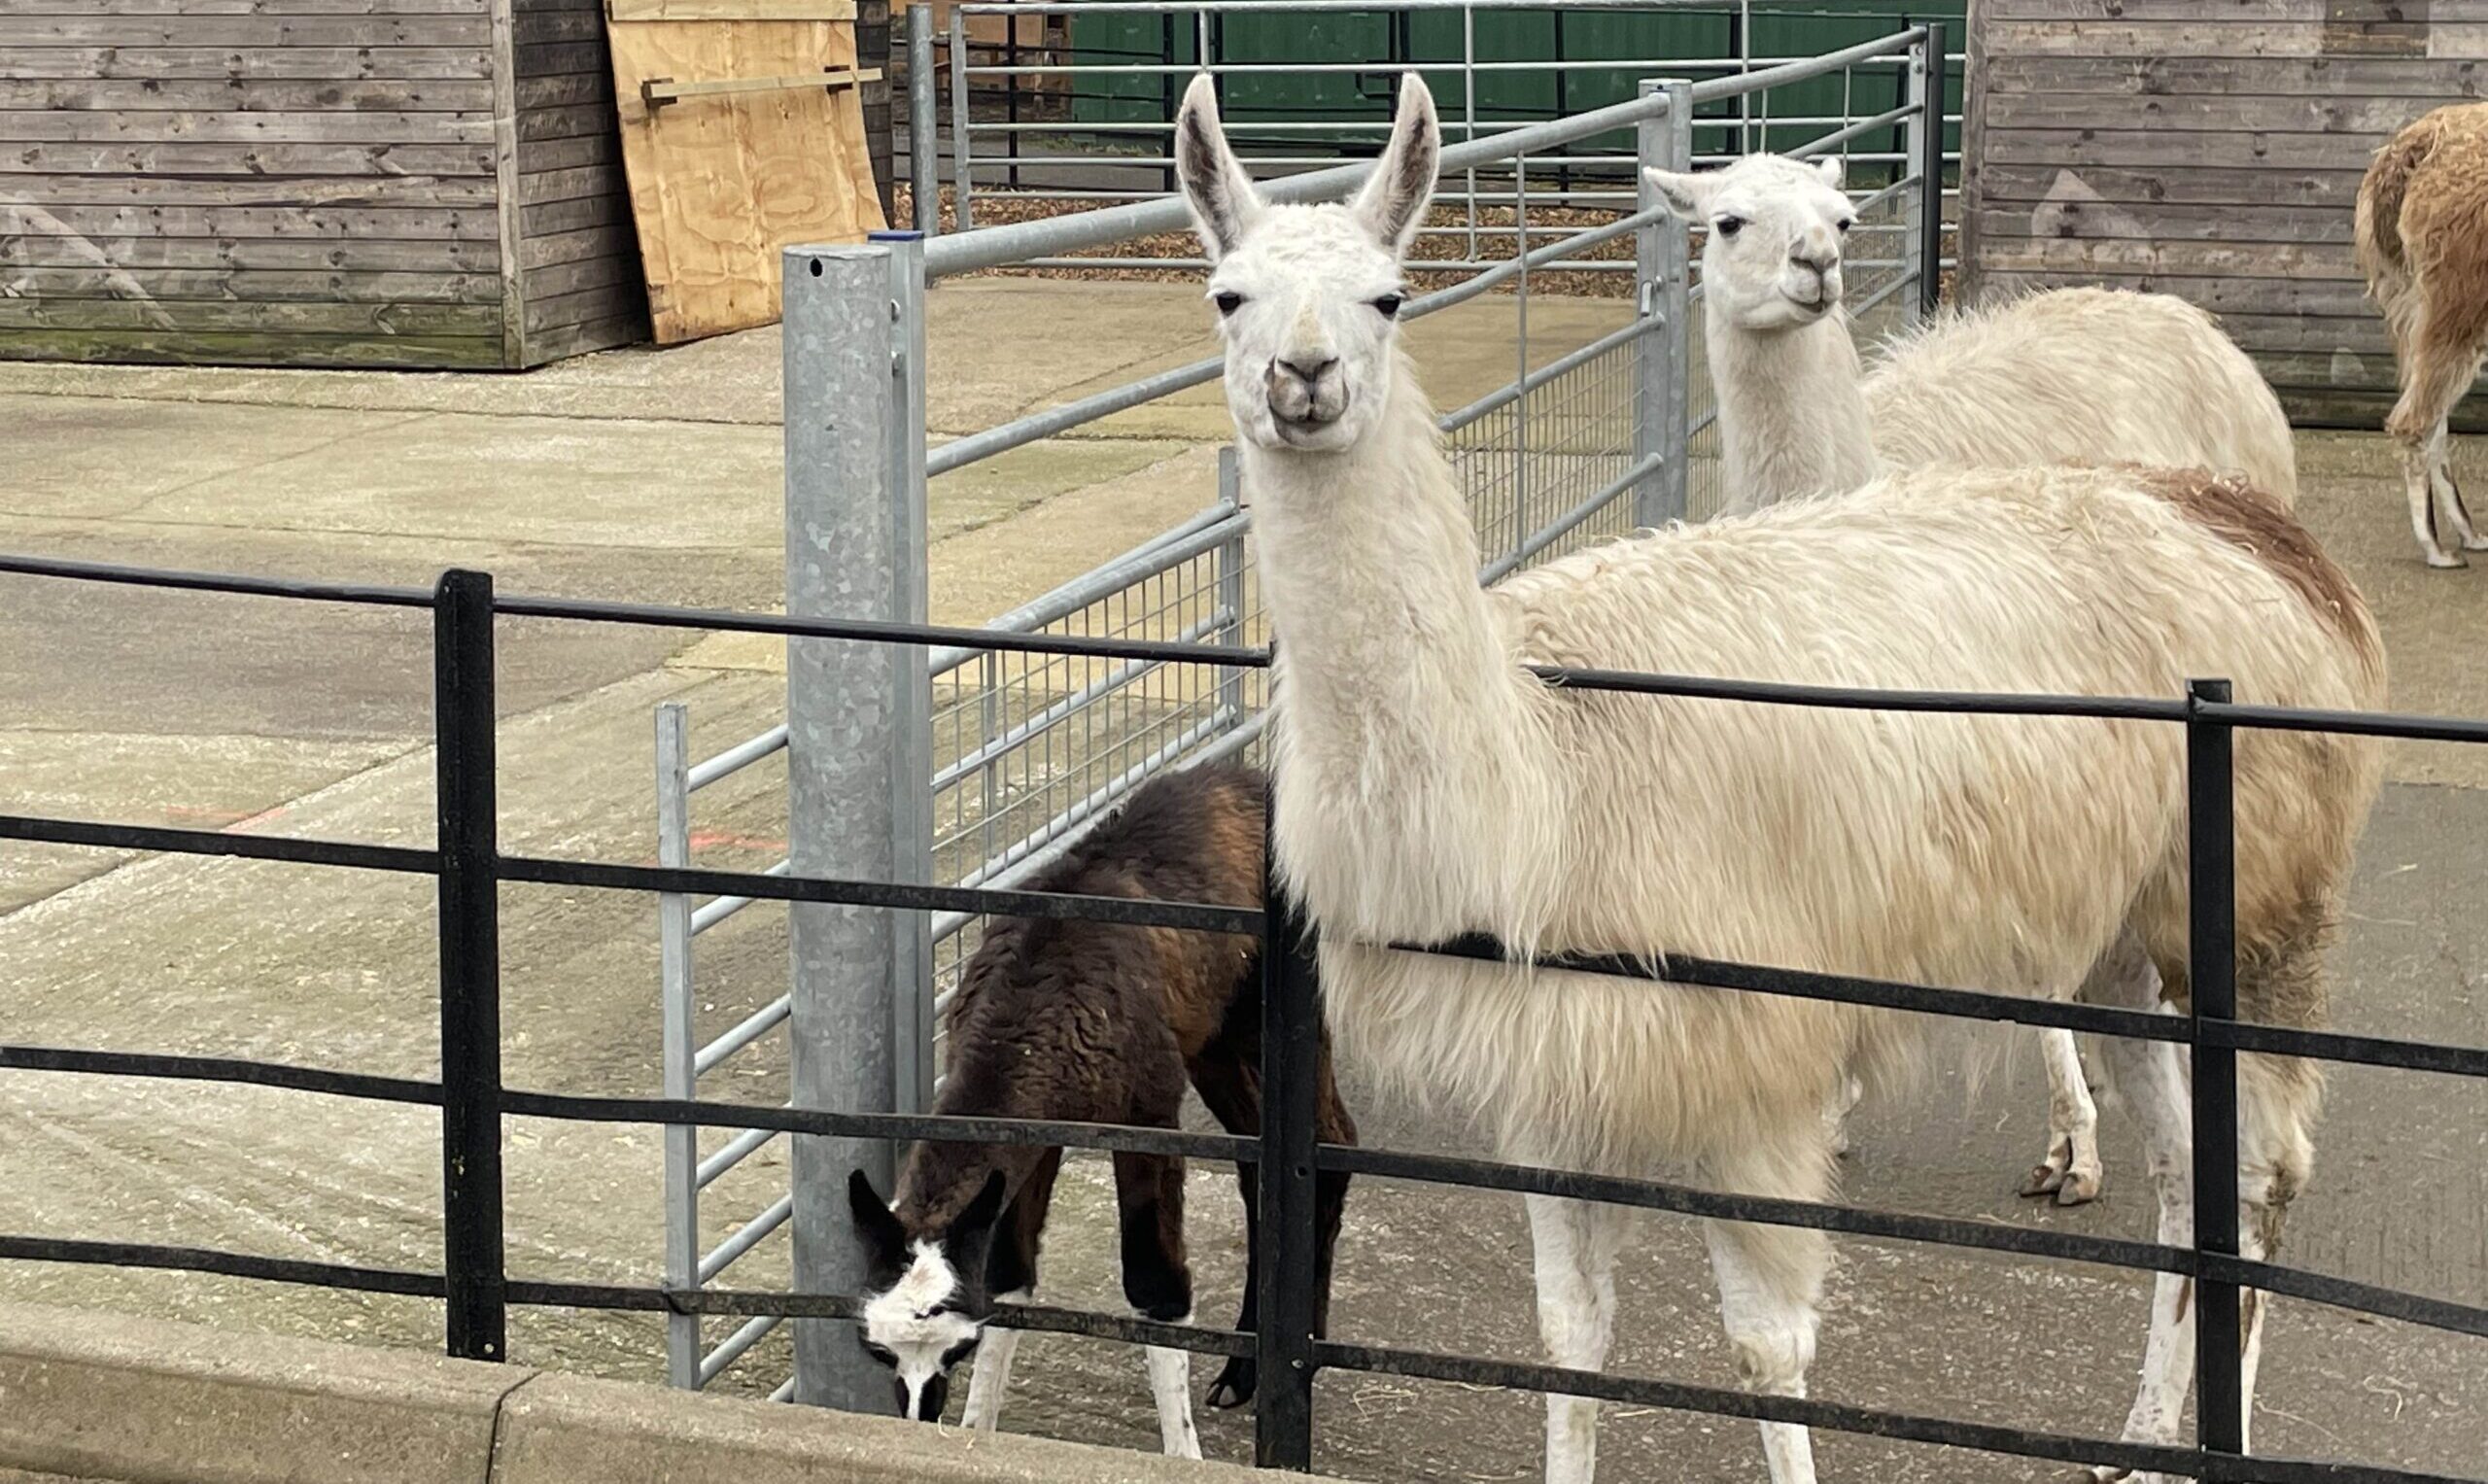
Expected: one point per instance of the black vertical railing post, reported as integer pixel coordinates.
(2212, 969)
(1931, 247)
(1288, 1223)
(470, 995)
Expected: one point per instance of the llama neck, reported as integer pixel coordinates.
(1792, 412)
(1403, 718)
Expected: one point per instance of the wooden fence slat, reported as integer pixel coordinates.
(245, 31)
(2149, 13)
(615, 237)
(350, 255)
(246, 95)
(65, 158)
(252, 286)
(543, 187)
(2344, 299)
(2178, 117)
(2144, 148)
(317, 63)
(175, 126)
(566, 90)
(2099, 220)
(196, 8)
(2118, 260)
(2012, 74)
(192, 347)
(2026, 185)
(423, 191)
(584, 120)
(600, 303)
(336, 319)
(2111, 38)
(403, 226)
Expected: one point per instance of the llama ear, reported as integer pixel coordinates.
(1394, 199)
(1687, 194)
(1835, 174)
(884, 1238)
(971, 1236)
(1224, 201)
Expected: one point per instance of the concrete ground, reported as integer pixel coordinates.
(655, 476)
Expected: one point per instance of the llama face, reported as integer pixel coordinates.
(1307, 296)
(925, 1300)
(1777, 225)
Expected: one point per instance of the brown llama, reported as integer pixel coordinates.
(2421, 246)
(1089, 1023)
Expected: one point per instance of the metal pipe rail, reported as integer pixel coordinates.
(997, 247)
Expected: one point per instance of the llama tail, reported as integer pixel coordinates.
(2380, 197)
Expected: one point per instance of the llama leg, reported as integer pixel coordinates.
(2437, 365)
(2450, 510)
(1836, 1116)
(2150, 1078)
(2070, 1172)
(1771, 1285)
(2277, 1102)
(1011, 1277)
(1157, 1280)
(1226, 1074)
(1577, 1243)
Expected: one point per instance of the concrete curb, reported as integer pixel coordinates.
(98, 1396)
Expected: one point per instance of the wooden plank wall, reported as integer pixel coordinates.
(579, 275)
(284, 182)
(2211, 148)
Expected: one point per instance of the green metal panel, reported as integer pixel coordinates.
(1434, 41)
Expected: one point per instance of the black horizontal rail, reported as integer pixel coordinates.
(2405, 725)
(360, 1085)
(171, 840)
(744, 1303)
(1198, 916)
(229, 1264)
(1984, 1005)
(940, 1127)
(125, 575)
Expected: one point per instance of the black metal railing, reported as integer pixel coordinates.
(475, 1102)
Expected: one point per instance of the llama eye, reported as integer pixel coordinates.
(1728, 227)
(1845, 224)
(1388, 306)
(1228, 302)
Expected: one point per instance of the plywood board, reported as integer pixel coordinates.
(720, 184)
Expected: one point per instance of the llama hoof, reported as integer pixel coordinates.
(1234, 1384)
(2079, 1188)
(2044, 1179)
(2445, 561)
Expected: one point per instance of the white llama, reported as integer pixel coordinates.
(1428, 785)
(2074, 376)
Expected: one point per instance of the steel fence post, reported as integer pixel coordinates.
(857, 745)
(2212, 969)
(471, 998)
(1930, 164)
(959, 120)
(1662, 358)
(680, 1041)
(1230, 586)
(1289, 1223)
(923, 144)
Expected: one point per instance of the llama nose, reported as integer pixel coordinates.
(1307, 366)
(1821, 262)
